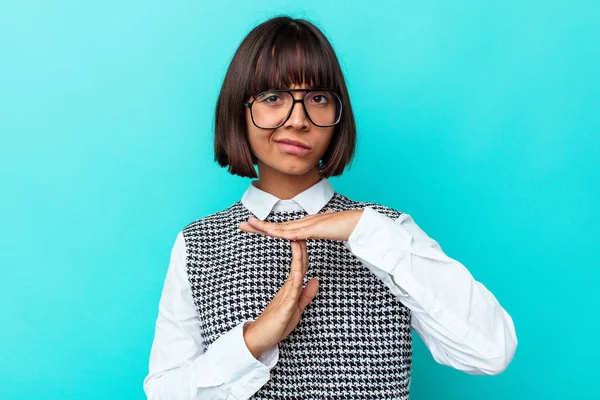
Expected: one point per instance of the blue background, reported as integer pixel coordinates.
(480, 120)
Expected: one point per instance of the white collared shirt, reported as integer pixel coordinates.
(459, 320)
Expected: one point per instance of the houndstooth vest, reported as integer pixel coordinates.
(354, 338)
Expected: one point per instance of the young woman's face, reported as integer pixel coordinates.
(269, 148)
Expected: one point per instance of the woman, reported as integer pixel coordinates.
(296, 291)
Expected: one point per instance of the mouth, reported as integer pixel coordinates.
(291, 146)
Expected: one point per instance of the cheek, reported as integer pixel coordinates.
(326, 136)
(258, 139)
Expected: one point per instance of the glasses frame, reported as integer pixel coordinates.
(294, 101)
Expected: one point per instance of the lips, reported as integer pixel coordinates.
(292, 147)
(294, 142)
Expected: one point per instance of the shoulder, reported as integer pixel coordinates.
(343, 202)
(224, 216)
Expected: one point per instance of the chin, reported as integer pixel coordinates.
(294, 169)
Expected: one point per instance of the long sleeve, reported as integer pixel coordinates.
(460, 321)
(180, 368)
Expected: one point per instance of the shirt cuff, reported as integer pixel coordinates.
(232, 360)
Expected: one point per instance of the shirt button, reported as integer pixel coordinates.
(360, 242)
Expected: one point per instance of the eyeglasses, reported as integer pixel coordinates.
(271, 109)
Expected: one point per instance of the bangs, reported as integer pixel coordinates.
(293, 56)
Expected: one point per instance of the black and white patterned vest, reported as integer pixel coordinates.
(354, 338)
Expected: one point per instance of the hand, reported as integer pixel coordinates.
(283, 313)
(329, 225)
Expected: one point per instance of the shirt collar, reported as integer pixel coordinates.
(312, 200)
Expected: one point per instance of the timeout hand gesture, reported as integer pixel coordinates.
(282, 315)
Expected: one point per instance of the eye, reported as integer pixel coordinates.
(269, 98)
(320, 98)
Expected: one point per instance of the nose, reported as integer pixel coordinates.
(298, 119)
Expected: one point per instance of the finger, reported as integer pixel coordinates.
(261, 225)
(304, 257)
(298, 223)
(300, 257)
(295, 233)
(306, 220)
(272, 230)
(246, 227)
(295, 285)
(309, 227)
(301, 222)
(256, 225)
(308, 293)
(302, 244)
(293, 264)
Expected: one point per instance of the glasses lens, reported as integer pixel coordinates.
(270, 109)
(324, 108)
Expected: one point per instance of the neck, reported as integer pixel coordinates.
(285, 186)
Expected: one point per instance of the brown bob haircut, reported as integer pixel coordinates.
(277, 54)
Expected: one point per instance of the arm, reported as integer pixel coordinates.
(459, 320)
(180, 368)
